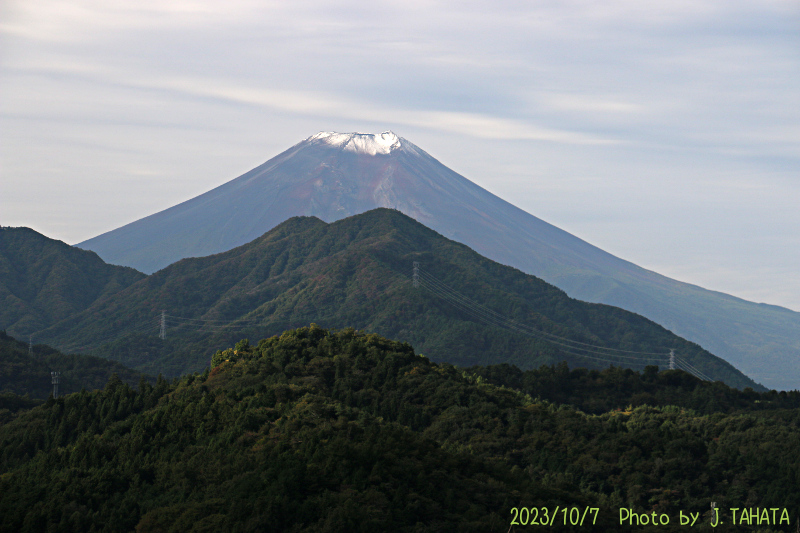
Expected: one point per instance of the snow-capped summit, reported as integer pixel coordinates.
(361, 143)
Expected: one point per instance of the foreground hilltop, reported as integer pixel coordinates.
(316, 430)
(358, 272)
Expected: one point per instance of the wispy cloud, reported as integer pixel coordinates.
(601, 102)
(330, 106)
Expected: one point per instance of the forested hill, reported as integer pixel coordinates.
(600, 391)
(43, 280)
(317, 430)
(22, 373)
(357, 272)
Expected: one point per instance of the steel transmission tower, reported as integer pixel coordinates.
(672, 359)
(54, 378)
(162, 334)
(415, 275)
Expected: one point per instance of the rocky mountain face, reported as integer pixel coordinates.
(335, 175)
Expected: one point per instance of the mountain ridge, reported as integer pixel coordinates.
(43, 280)
(358, 272)
(316, 178)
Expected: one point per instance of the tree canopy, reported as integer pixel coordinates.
(323, 430)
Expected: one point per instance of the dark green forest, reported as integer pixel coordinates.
(43, 281)
(598, 391)
(24, 374)
(339, 430)
(357, 272)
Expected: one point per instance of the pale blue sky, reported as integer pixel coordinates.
(667, 133)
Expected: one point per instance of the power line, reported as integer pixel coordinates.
(569, 346)
(504, 319)
(692, 370)
(688, 370)
(565, 348)
(491, 317)
(150, 326)
(213, 320)
(157, 326)
(212, 325)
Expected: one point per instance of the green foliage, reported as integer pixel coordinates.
(11, 404)
(599, 391)
(356, 272)
(43, 281)
(24, 374)
(320, 430)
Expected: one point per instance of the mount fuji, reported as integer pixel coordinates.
(335, 175)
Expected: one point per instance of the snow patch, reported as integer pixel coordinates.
(361, 143)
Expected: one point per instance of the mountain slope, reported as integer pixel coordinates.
(356, 272)
(22, 373)
(43, 280)
(315, 430)
(332, 176)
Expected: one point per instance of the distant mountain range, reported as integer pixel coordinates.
(358, 272)
(332, 176)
